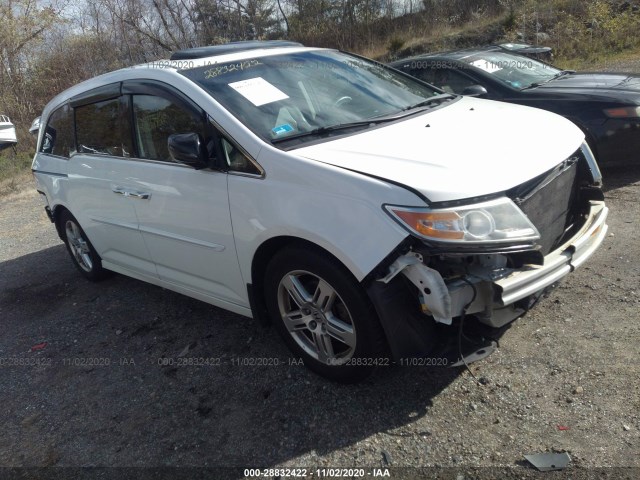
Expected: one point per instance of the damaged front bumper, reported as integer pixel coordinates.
(488, 289)
(522, 283)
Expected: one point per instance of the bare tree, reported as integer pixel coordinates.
(24, 23)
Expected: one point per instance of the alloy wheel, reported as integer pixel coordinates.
(316, 317)
(78, 245)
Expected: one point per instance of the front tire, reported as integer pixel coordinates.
(323, 315)
(82, 253)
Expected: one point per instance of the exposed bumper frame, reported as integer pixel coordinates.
(557, 264)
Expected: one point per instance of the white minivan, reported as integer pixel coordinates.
(369, 216)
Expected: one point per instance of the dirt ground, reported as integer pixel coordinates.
(113, 386)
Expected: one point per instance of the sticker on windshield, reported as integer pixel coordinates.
(486, 65)
(258, 91)
(282, 129)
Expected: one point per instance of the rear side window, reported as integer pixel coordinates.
(58, 134)
(157, 118)
(100, 127)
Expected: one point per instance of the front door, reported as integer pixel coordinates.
(184, 218)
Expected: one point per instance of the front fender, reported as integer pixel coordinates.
(338, 210)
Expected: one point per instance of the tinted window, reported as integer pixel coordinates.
(156, 118)
(58, 135)
(514, 70)
(100, 128)
(236, 160)
(448, 80)
(426, 74)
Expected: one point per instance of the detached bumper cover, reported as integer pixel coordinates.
(557, 264)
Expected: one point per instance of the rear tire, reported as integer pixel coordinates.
(324, 315)
(82, 253)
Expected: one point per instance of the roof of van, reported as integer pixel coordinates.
(232, 47)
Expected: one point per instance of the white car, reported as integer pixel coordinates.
(363, 212)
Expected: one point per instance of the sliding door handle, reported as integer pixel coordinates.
(140, 195)
(131, 193)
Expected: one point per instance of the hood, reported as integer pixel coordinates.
(595, 83)
(467, 148)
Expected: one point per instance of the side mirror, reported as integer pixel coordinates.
(35, 126)
(475, 91)
(188, 148)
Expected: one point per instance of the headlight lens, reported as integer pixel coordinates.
(623, 112)
(496, 221)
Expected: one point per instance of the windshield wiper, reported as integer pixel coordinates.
(339, 126)
(430, 101)
(367, 122)
(561, 73)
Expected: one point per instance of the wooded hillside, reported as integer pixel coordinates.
(49, 45)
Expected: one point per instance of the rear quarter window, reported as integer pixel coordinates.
(58, 134)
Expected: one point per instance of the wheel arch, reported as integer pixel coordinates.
(259, 263)
(56, 213)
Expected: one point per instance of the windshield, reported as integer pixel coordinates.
(287, 95)
(514, 70)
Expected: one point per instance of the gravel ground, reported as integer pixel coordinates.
(104, 392)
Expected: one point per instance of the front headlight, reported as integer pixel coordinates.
(496, 221)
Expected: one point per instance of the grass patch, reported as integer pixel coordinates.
(601, 62)
(14, 168)
(16, 183)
